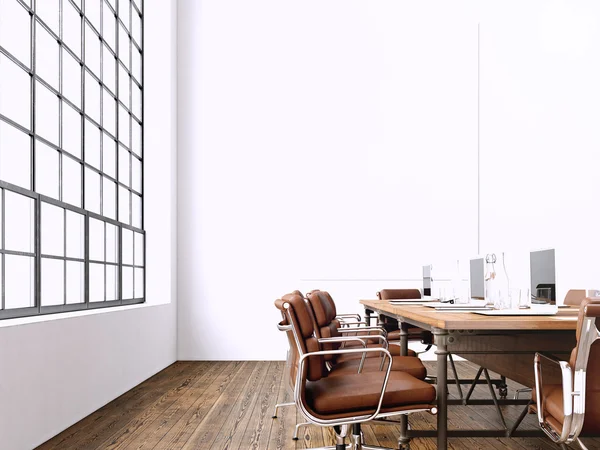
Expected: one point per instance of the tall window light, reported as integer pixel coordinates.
(71, 155)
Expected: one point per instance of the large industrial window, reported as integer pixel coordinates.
(71, 155)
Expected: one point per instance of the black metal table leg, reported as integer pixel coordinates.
(441, 337)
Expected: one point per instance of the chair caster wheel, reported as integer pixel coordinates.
(503, 392)
(273, 417)
(404, 447)
(294, 439)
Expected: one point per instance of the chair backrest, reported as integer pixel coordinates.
(574, 297)
(295, 313)
(323, 310)
(398, 294)
(585, 359)
(292, 357)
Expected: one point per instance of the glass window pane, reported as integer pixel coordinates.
(127, 283)
(124, 12)
(71, 132)
(92, 191)
(136, 138)
(71, 79)
(19, 222)
(72, 28)
(112, 243)
(136, 64)
(46, 170)
(75, 235)
(124, 43)
(75, 283)
(15, 156)
(109, 203)
(109, 32)
(124, 163)
(124, 86)
(96, 282)
(71, 181)
(15, 33)
(112, 286)
(15, 92)
(136, 174)
(136, 27)
(92, 12)
(109, 70)
(92, 51)
(139, 283)
(47, 56)
(53, 230)
(46, 113)
(124, 203)
(127, 246)
(109, 113)
(109, 151)
(92, 144)
(124, 120)
(92, 97)
(96, 240)
(136, 210)
(48, 11)
(139, 249)
(19, 281)
(53, 282)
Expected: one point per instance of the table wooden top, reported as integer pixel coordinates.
(565, 319)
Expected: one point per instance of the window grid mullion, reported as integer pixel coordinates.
(2, 244)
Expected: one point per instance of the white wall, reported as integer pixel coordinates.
(56, 371)
(322, 144)
(539, 138)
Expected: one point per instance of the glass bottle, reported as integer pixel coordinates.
(491, 291)
(456, 283)
(502, 300)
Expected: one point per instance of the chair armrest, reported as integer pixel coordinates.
(344, 339)
(567, 389)
(300, 385)
(361, 329)
(353, 316)
(358, 324)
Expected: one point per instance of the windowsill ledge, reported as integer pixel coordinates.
(67, 315)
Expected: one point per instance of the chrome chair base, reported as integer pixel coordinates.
(281, 405)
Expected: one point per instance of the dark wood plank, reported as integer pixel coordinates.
(149, 434)
(258, 427)
(88, 431)
(181, 432)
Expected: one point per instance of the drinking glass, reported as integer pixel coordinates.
(524, 298)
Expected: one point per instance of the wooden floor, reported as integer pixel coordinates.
(228, 405)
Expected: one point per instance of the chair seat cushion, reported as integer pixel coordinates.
(409, 364)
(359, 393)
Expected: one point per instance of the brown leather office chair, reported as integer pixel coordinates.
(349, 399)
(326, 326)
(574, 297)
(391, 325)
(565, 410)
(330, 311)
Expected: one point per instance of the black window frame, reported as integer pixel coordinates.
(135, 81)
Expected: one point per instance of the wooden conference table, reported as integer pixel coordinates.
(504, 344)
